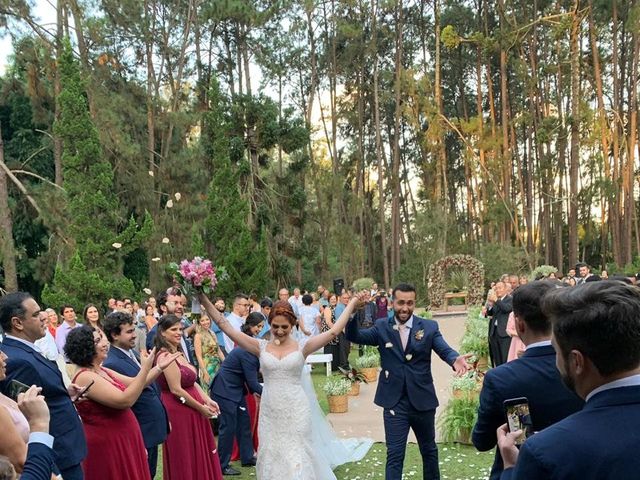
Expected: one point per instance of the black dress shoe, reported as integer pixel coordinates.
(230, 471)
(250, 463)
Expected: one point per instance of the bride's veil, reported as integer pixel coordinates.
(336, 451)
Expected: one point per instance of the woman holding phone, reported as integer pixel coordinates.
(114, 440)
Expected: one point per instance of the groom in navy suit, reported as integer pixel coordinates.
(148, 409)
(405, 389)
(20, 320)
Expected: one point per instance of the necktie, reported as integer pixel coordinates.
(404, 335)
(133, 357)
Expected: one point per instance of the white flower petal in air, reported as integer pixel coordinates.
(147, 291)
(116, 245)
(151, 173)
(155, 259)
(169, 203)
(165, 240)
(178, 196)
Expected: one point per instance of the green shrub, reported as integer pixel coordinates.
(336, 386)
(367, 361)
(458, 418)
(363, 283)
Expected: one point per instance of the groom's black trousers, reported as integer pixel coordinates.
(397, 421)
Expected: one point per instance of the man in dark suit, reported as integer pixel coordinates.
(596, 333)
(533, 376)
(19, 318)
(148, 409)
(499, 339)
(405, 389)
(238, 374)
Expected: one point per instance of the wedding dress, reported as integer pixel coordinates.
(286, 451)
(296, 441)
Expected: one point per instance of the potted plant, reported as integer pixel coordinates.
(468, 385)
(475, 339)
(458, 418)
(336, 389)
(368, 364)
(354, 376)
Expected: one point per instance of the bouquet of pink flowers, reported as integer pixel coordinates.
(197, 275)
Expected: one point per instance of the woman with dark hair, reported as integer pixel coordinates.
(328, 319)
(114, 441)
(91, 316)
(189, 451)
(286, 447)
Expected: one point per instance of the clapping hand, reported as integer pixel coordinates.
(460, 366)
(166, 360)
(212, 407)
(507, 445)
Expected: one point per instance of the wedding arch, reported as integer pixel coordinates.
(437, 275)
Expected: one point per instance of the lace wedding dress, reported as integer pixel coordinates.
(286, 449)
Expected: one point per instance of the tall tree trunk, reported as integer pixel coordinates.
(574, 161)
(379, 149)
(57, 88)
(395, 176)
(442, 186)
(6, 230)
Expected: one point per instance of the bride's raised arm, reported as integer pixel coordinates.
(319, 341)
(250, 344)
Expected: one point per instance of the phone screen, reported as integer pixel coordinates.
(16, 388)
(519, 418)
(83, 391)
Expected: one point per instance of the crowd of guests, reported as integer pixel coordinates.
(568, 348)
(121, 382)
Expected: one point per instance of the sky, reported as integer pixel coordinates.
(44, 11)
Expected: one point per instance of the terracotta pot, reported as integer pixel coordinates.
(371, 374)
(355, 389)
(338, 403)
(483, 364)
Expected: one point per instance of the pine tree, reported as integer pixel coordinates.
(228, 235)
(95, 270)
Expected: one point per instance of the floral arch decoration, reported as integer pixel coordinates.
(471, 265)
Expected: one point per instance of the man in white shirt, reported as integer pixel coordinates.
(236, 318)
(296, 301)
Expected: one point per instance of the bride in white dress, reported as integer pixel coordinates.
(286, 450)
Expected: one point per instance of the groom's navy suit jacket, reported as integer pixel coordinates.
(404, 371)
(600, 442)
(26, 365)
(148, 409)
(533, 376)
(238, 372)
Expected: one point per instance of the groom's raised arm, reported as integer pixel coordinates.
(366, 336)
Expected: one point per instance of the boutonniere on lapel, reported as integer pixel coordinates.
(395, 326)
(419, 334)
(388, 345)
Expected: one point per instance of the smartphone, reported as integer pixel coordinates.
(519, 417)
(83, 391)
(16, 388)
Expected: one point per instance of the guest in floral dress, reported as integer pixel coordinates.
(208, 353)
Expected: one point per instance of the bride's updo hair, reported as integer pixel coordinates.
(284, 309)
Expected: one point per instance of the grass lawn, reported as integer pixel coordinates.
(457, 462)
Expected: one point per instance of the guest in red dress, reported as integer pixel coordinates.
(190, 450)
(114, 441)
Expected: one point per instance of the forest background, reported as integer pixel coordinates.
(294, 142)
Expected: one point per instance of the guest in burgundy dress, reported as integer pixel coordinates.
(190, 450)
(114, 440)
